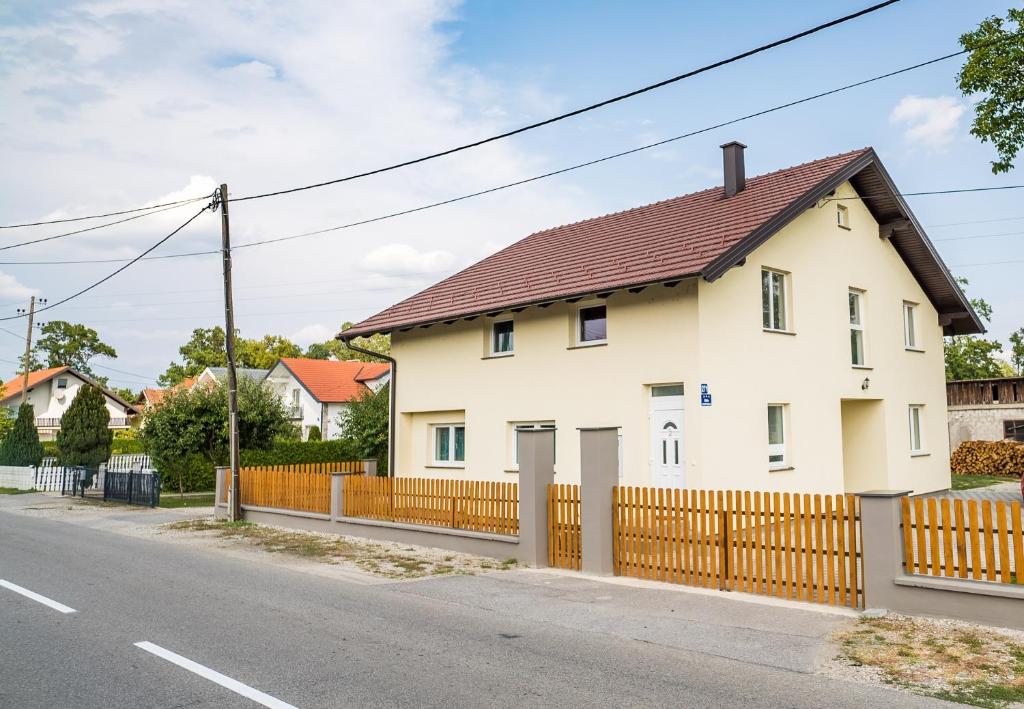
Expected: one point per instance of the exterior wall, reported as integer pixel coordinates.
(747, 368)
(331, 427)
(980, 423)
(284, 383)
(702, 333)
(49, 402)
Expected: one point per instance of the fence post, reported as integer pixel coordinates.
(218, 495)
(105, 486)
(881, 543)
(536, 472)
(130, 485)
(337, 496)
(370, 467)
(599, 473)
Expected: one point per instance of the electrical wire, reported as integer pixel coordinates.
(104, 216)
(113, 273)
(980, 236)
(517, 131)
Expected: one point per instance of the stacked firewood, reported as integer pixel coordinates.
(988, 458)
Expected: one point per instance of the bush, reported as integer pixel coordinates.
(296, 452)
(50, 449)
(21, 445)
(988, 458)
(193, 473)
(314, 434)
(365, 424)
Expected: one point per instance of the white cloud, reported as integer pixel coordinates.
(931, 122)
(317, 332)
(400, 259)
(11, 288)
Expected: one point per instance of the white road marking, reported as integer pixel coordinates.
(36, 597)
(214, 676)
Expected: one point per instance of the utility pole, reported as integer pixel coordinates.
(28, 346)
(229, 341)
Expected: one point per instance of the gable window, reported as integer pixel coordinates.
(592, 325)
(856, 299)
(450, 444)
(842, 216)
(545, 426)
(916, 440)
(773, 300)
(1013, 430)
(502, 337)
(910, 325)
(62, 383)
(776, 436)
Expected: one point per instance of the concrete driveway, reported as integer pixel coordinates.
(1005, 492)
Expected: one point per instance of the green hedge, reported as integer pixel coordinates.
(295, 452)
(120, 446)
(194, 474)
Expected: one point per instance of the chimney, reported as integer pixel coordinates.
(732, 159)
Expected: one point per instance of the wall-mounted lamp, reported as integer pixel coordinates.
(865, 384)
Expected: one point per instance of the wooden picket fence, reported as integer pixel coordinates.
(980, 540)
(275, 478)
(564, 528)
(473, 505)
(800, 547)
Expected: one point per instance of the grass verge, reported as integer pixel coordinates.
(968, 482)
(396, 561)
(13, 491)
(946, 659)
(170, 500)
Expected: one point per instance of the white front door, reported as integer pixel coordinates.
(668, 459)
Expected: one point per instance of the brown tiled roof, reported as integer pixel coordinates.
(657, 242)
(332, 381)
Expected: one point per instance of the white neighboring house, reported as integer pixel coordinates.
(316, 391)
(219, 375)
(51, 391)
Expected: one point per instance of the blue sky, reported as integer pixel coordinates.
(115, 104)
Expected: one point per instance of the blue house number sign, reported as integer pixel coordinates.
(705, 396)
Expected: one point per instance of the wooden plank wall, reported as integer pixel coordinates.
(284, 486)
(459, 504)
(564, 529)
(980, 540)
(800, 547)
(985, 391)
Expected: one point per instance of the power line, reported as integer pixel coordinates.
(517, 131)
(104, 216)
(980, 236)
(121, 371)
(585, 109)
(115, 272)
(977, 221)
(986, 263)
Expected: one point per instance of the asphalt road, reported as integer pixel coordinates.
(509, 639)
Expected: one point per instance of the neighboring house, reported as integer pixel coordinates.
(219, 375)
(152, 396)
(985, 410)
(781, 333)
(316, 391)
(51, 391)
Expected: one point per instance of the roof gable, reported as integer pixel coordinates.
(699, 234)
(12, 388)
(332, 381)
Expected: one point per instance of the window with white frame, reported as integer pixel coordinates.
(910, 325)
(842, 216)
(450, 444)
(538, 426)
(773, 299)
(777, 436)
(856, 299)
(916, 414)
(592, 325)
(62, 383)
(502, 337)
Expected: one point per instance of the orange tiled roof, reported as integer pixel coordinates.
(12, 388)
(332, 381)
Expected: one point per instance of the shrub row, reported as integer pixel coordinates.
(296, 452)
(119, 446)
(988, 458)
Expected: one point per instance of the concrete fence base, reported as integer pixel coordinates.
(17, 476)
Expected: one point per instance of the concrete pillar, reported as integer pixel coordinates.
(881, 542)
(370, 467)
(536, 472)
(220, 479)
(599, 473)
(337, 496)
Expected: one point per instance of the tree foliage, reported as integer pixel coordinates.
(971, 357)
(1017, 351)
(365, 425)
(65, 344)
(21, 444)
(207, 348)
(314, 434)
(263, 353)
(337, 349)
(993, 70)
(85, 437)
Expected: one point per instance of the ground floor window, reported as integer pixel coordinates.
(1013, 430)
(916, 441)
(449, 444)
(529, 426)
(777, 435)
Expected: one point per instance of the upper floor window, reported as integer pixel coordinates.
(62, 383)
(910, 325)
(856, 299)
(916, 439)
(502, 337)
(450, 444)
(773, 300)
(776, 435)
(842, 216)
(592, 325)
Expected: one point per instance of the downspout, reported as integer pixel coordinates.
(391, 397)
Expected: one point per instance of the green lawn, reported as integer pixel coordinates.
(13, 491)
(966, 482)
(169, 499)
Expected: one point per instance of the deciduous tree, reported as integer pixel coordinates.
(365, 425)
(65, 344)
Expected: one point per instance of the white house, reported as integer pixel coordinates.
(51, 391)
(219, 375)
(316, 391)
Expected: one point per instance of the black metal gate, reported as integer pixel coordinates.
(132, 487)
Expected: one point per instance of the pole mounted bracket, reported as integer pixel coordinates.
(214, 201)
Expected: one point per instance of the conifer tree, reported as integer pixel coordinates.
(21, 446)
(85, 437)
